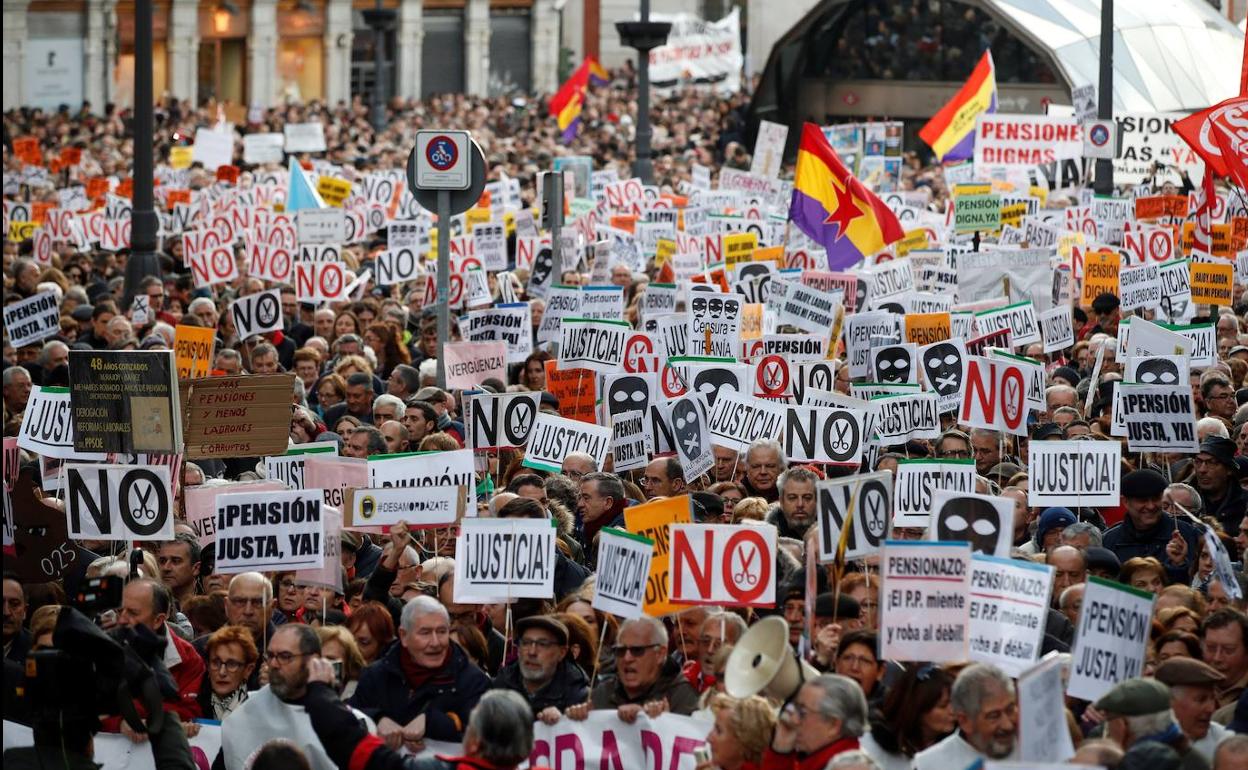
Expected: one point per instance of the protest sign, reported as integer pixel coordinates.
(894, 364)
(1139, 287)
(1100, 275)
(304, 137)
(244, 415)
(688, 417)
(434, 506)
(320, 227)
(200, 502)
(861, 329)
(623, 570)
(1057, 329)
(1074, 473)
(1160, 418)
(269, 531)
(995, 395)
(318, 282)
(510, 324)
(335, 477)
(422, 469)
(193, 346)
(796, 347)
(668, 742)
(1111, 639)
(651, 520)
(330, 575)
(903, 417)
(739, 420)
(917, 479)
(212, 148)
(972, 213)
(504, 559)
(769, 149)
(553, 438)
(288, 468)
(815, 434)
(928, 328)
(263, 148)
(864, 500)
(576, 390)
(561, 302)
(924, 612)
(32, 319)
(630, 443)
(714, 325)
(807, 308)
(728, 565)
(255, 314)
(1043, 734)
(1009, 610)
(596, 345)
(468, 364)
(1019, 318)
(944, 370)
(985, 521)
(118, 502)
(497, 420)
(602, 303)
(1212, 282)
(126, 401)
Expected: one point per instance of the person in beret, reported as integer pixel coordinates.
(1138, 711)
(1147, 531)
(1217, 478)
(1192, 699)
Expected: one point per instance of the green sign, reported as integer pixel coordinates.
(976, 212)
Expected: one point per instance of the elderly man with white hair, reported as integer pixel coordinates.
(647, 678)
(822, 722)
(986, 709)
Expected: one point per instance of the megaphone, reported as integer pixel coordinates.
(763, 662)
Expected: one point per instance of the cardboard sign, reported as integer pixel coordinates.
(1057, 329)
(554, 438)
(126, 401)
(595, 345)
(737, 421)
(1160, 418)
(504, 559)
(257, 314)
(510, 324)
(1009, 610)
(1042, 732)
(1074, 473)
(1112, 638)
(32, 319)
(1019, 318)
(728, 565)
(288, 468)
(924, 614)
(1212, 282)
(118, 502)
(576, 390)
(269, 531)
(918, 479)
(468, 364)
(863, 500)
(995, 396)
(497, 420)
(241, 416)
(623, 572)
(194, 346)
(435, 506)
(809, 309)
(652, 520)
(903, 417)
(630, 442)
(984, 521)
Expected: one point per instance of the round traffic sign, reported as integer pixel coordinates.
(460, 200)
(441, 153)
(1099, 134)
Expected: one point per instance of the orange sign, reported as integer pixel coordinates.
(652, 520)
(27, 148)
(576, 390)
(1157, 206)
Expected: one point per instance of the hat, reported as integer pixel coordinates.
(1046, 430)
(1005, 469)
(1053, 518)
(1221, 449)
(153, 342)
(1237, 349)
(82, 313)
(830, 605)
(712, 504)
(1100, 557)
(1145, 483)
(1186, 671)
(350, 541)
(1068, 373)
(1150, 755)
(1135, 697)
(545, 623)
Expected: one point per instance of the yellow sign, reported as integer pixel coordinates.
(913, 240)
(651, 520)
(1066, 241)
(926, 328)
(664, 250)
(22, 231)
(1219, 239)
(752, 321)
(774, 254)
(1013, 214)
(739, 247)
(1100, 275)
(977, 188)
(333, 191)
(477, 215)
(1212, 282)
(180, 157)
(192, 345)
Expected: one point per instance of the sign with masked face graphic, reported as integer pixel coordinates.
(986, 522)
(1157, 370)
(894, 364)
(944, 369)
(688, 418)
(715, 324)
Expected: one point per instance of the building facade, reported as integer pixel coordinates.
(246, 53)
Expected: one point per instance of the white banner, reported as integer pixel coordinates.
(1074, 473)
(698, 54)
(269, 531)
(1111, 639)
(504, 559)
(1009, 609)
(924, 612)
(553, 438)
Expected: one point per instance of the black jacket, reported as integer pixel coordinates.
(671, 684)
(1127, 542)
(568, 687)
(1230, 510)
(445, 700)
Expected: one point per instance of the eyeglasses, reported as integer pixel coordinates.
(283, 658)
(632, 650)
(541, 644)
(287, 585)
(231, 666)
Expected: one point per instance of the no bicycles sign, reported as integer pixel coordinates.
(442, 160)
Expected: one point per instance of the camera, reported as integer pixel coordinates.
(98, 596)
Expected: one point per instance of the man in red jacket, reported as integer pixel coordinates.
(147, 602)
(825, 718)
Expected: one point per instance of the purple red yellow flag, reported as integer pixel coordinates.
(951, 132)
(567, 102)
(834, 208)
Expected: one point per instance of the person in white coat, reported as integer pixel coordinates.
(986, 709)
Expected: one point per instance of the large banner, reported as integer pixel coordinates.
(602, 740)
(698, 54)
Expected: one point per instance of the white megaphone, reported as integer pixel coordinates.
(763, 662)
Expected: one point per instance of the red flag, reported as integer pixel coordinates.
(1215, 136)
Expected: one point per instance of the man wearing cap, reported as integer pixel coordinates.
(1147, 531)
(1217, 479)
(1192, 699)
(543, 674)
(1138, 711)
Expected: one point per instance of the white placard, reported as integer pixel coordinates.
(1111, 639)
(504, 559)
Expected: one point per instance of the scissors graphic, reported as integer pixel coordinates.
(745, 576)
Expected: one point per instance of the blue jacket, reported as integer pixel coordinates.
(445, 700)
(1127, 542)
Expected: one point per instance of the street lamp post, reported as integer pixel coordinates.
(645, 36)
(1104, 183)
(143, 222)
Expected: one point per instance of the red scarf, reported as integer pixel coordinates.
(417, 675)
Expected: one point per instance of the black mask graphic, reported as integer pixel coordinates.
(698, 306)
(543, 263)
(942, 363)
(969, 519)
(1157, 371)
(687, 428)
(893, 364)
(709, 381)
(860, 294)
(731, 307)
(627, 394)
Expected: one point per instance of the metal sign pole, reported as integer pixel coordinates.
(554, 208)
(444, 280)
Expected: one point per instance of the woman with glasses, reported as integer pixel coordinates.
(231, 656)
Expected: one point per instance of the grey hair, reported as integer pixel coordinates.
(973, 685)
(1059, 388)
(503, 722)
(1234, 745)
(1068, 594)
(257, 578)
(48, 347)
(800, 475)
(842, 699)
(1149, 724)
(1198, 506)
(230, 354)
(389, 400)
(199, 302)
(1080, 528)
(12, 372)
(729, 619)
(658, 632)
(1214, 425)
(853, 760)
(418, 607)
(771, 444)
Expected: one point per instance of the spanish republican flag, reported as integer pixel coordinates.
(835, 209)
(566, 104)
(951, 132)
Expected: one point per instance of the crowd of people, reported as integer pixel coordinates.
(305, 676)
